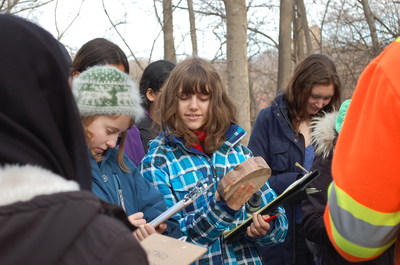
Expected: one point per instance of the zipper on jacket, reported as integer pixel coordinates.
(122, 199)
(119, 191)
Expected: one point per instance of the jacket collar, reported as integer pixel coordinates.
(280, 102)
(233, 135)
(22, 183)
(323, 133)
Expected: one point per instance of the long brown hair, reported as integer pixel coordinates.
(86, 121)
(316, 69)
(191, 76)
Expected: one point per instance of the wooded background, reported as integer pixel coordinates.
(259, 42)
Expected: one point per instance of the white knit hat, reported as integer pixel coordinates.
(105, 90)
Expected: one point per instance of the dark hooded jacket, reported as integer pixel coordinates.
(274, 139)
(46, 217)
(56, 223)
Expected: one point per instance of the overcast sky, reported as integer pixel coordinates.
(142, 28)
(140, 32)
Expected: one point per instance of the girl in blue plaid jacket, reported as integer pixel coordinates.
(201, 142)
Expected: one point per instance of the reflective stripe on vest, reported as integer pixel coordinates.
(364, 237)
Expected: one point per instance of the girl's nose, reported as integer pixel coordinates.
(320, 103)
(193, 102)
(112, 142)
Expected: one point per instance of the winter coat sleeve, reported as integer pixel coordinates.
(314, 205)
(151, 202)
(105, 238)
(202, 226)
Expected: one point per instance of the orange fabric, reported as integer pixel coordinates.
(366, 163)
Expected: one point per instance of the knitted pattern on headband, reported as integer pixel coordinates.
(105, 90)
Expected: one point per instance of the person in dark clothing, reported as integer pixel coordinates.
(47, 213)
(281, 135)
(324, 134)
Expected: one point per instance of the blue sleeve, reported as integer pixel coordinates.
(202, 226)
(151, 202)
(259, 140)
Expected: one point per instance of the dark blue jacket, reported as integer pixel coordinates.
(129, 190)
(274, 139)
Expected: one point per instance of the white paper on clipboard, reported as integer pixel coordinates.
(198, 190)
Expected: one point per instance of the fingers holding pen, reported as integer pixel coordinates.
(259, 227)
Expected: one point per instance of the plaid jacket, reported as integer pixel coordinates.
(174, 170)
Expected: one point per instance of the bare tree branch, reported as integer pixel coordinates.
(265, 35)
(23, 6)
(156, 13)
(122, 38)
(60, 35)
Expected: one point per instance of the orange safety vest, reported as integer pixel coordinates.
(363, 212)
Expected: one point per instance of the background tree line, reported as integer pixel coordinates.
(258, 42)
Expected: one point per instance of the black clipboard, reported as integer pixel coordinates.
(287, 195)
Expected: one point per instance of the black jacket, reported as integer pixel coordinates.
(274, 139)
(58, 224)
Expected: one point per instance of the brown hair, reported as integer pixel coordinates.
(98, 51)
(191, 76)
(316, 69)
(86, 121)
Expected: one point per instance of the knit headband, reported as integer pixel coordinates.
(105, 90)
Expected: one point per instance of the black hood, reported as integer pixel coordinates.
(39, 121)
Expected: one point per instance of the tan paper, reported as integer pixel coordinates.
(164, 250)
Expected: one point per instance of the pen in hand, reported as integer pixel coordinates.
(269, 219)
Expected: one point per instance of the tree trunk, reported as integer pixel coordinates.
(298, 37)
(168, 30)
(301, 10)
(237, 67)
(285, 43)
(192, 22)
(369, 16)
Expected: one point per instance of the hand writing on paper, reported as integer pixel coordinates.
(240, 196)
(146, 230)
(259, 227)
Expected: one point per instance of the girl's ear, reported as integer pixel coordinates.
(75, 74)
(150, 95)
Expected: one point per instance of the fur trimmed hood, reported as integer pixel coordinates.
(323, 133)
(22, 183)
